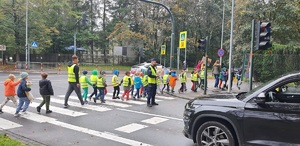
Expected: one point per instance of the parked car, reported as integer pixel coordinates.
(267, 115)
(144, 66)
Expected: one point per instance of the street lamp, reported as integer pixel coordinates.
(231, 45)
(27, 58)
(222, 29)
(173, 29)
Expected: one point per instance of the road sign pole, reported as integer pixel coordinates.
(251, 54)
(206, 62)
(26, 43)
(185, 57)
(178, 58)
(2, 58)
(231, 45)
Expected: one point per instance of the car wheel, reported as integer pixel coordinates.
(214, 134)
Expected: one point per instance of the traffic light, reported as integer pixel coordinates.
(202, 43)
(84, 19)
(264, 36)
(141, 52)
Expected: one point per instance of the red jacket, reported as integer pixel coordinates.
(10, 87)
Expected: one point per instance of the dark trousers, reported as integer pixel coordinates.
(94, 93)
(46, 99)
(131, 90)
(195, 86)
(216, 80)
(71, 88)
(151, 93)
(137, 93)
(116, 90)
(168, 87)
(183, 86)
(146, 90)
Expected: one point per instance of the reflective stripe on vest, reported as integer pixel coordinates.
(126, 81)
(152, 80)
(145, 80)
(94, 79)
(183, 78)
(71, 74)
(195, 77)
(100, 82)
(165, 78)
(83, 82)
(115, 80)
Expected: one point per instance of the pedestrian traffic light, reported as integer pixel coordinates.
(202, 43)
(84, 19)
(264, 36)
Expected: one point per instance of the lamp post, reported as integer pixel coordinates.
(222, 29)
(173, 28)
(26, 41)
(231, 45)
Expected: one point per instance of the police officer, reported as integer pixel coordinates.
(152, 83)
(73, 79)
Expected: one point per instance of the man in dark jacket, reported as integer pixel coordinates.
(152, 80)
(73, 79)
(46, 91)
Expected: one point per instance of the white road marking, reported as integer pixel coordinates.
(155, 115)
(129, 101)
(75, 104)
(62, 111)
(157, 96)
(155, 120)
(131, 128)
(44, 119)
(6, 124)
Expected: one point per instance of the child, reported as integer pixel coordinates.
(137, 85)
(84, 82)
(238, 77)
(194, 78)
(183, 79)
(173, 79)
(101, 85)
(127, 83)
(93, 79)
(46, 91)
(202, 76)
(10, 91)
(22, 95)
(142, 86)
(116, 84)
(224, 78)
(145, 84)
(166, 80)
(132, 75)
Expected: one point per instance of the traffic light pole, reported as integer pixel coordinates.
(206, 62)
(251, 55)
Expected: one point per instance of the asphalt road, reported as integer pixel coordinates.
(115, 123)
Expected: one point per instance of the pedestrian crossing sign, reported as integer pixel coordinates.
(163, 50)
(34, 44)
(182, 41)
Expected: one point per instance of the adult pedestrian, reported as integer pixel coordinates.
(152, 80)
(73, 79)
(46, 91)
(216, 72)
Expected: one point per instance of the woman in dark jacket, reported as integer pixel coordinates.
(46, 91)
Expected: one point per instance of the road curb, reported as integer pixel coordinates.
(179, 96)
(25, 140)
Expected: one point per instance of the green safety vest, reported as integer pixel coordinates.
(145, 80)
(183, 78)
(100, 82)
(83, 82)
(194, 77)
(165, 78)
(152, 80)
(71, 74)
(126, 81)
(115, 81)
(94, 79)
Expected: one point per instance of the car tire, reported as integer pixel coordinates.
(206, 134)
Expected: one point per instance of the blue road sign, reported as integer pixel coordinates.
(221, 52)
(34, 44)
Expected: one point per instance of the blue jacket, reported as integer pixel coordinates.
(22, 88)
(137, 82)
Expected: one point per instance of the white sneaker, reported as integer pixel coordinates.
(24, 113)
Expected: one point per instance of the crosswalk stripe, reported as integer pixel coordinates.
(129, 101)
(75, 104)
(155, 120)
(106, 103)
(44, 119)
(131, 128)
(62, 111)
(141, 99)
(157, 96)
(6, 124)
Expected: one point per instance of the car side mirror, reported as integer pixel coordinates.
(260, 99)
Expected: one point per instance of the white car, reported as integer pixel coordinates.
(144, 66)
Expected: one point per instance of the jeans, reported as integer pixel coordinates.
(71, 88)
(146, 91)
(137, 93)
(216, 80)
(131, 90)
(23, 100)
(151, 93)
(101, 94)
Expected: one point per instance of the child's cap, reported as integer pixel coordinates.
(84, 72)
(23, 75)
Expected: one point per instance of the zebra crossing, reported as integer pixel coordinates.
(78, 110)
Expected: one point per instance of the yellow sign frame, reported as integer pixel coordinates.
(163, 50)
(182, 39)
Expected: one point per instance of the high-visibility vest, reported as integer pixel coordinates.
(100, 82)
(165, 78)
(126, 81)
(183, 78)
(152, 80)
(202, 74)
(115, 81)
(94, 79)
(83, 82)
(131, 80)
(158, 81)
(194, 77)
(145, 80)
(71, 74)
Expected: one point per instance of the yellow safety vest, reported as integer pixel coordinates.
(83, 82)
(152, 80)
(202, 74)
(158, 81)
(183, 78)
(132, 82)
(93, 79)
(100, 82)
(195, 77)
(71, 74)
(126, 81)
(165, 78)
(145, 80)
(115, 81)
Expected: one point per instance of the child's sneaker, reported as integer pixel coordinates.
(38, 109)
(86, 102)
(16, 114)
(24, 113)
(48, 111)
(1, 111)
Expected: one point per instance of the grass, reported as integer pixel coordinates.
(6, 141)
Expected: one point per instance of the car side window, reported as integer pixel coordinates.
(286, 93)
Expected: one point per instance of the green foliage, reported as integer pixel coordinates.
(6, 141)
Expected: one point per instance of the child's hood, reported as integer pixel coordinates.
(94, 72)
(6, 82)
(167, 71)
(116, 72)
